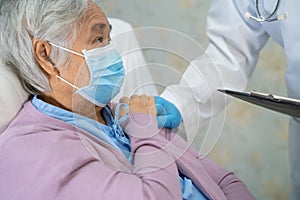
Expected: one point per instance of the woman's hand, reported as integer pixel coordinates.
(139, 104)
(142, 121)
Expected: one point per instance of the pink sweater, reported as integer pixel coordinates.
(44, 158)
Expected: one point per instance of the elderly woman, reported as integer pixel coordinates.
(66, 143)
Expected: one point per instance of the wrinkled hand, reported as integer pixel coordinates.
(168, 115)
(139, 104)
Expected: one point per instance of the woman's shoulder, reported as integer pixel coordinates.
(30, 121)
(31, 130)
(32, 134)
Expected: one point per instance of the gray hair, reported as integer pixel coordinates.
(22, 21)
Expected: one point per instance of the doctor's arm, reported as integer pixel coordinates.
(228, 62)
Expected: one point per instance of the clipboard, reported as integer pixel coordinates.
(276, 103)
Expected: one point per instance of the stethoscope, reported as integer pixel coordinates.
(270, 18)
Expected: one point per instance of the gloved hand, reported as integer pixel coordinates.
(168, 115)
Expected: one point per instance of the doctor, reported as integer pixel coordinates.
(237, 31)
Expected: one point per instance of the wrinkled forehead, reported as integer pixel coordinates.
(94, 19)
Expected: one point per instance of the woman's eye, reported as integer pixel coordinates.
(100, 39)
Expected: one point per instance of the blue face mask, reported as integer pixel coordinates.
(107, 74)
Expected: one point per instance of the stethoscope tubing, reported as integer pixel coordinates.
(270, 18)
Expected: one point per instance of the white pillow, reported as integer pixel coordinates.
(13, 95)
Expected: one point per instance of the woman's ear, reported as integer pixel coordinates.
(42, 50)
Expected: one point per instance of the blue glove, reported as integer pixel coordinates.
(168, 115)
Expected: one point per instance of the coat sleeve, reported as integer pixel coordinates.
(215, 181)
(228, 62)
(232, 187)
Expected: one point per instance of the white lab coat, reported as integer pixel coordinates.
(229, 60)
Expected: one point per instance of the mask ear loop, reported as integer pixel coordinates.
(117, 118)
(67, 82)
(68, 50)
(117, 121)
